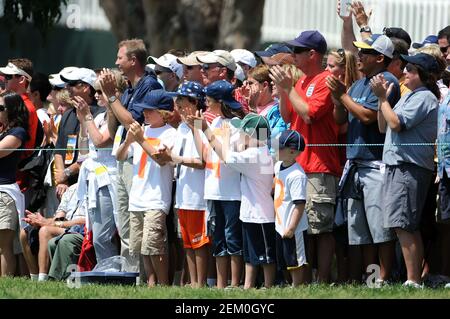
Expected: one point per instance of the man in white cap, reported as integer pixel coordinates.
(168, 70)
(359, 108)
(245, 59)
(217, 65)
(80, 83)
(192, 67)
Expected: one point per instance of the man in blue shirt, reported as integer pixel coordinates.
(131, 61)
(359, 107)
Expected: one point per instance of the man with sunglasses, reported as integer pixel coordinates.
(168, 70)
(309, 109)
(359, 108)
(192, 67)
(217, 65)
(444, 42)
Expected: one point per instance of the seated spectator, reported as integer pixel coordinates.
(69, 219)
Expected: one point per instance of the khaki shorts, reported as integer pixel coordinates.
(9, 217)
(148, 233)
(320, 202)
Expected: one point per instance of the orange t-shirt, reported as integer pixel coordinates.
(322, 130)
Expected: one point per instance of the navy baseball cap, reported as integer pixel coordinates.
(157, 100)
(431, 39)
(291, 139)
(191, 89)
(274, 49)
(311, 39)
(222, 91)
(423, 60)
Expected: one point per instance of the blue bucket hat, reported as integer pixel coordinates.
(222, 91)
(157, 100)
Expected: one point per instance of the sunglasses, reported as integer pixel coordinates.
(206, 67)
(9, 77)
(300, 50)
(369, 52)
(410, 68)
(444, 49)
(74, 83)
(2, 108)
(341, 53)
(99, 92)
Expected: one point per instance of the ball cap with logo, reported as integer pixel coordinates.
(291, 139)
(378, 42)
(253, 125)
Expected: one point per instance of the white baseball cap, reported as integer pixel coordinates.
(244, 56)
(168, 61)
(379, 43)
(239, 73)
(79, 74)
(12, 69)
(55, 79)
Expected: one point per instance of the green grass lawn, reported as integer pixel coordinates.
(19, 288)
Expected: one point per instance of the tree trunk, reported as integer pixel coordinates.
(187, 24)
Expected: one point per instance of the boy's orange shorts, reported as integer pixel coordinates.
(193, 228)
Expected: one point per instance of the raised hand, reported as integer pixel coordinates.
(361, 17)
(336, 86)
(108, 83)
(282, 79)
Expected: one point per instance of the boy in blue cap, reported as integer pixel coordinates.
(151, 189)
(289, 201)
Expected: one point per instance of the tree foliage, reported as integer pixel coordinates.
(44, 14)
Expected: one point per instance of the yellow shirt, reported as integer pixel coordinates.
(403, 89)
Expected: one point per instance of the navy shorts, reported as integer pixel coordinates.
(259, 243)
(291, 252)
(227, 236)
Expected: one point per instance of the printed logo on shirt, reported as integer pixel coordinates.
(143, 162)
(279, 197)
(310, 90)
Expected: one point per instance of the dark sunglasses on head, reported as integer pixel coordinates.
(2, 108)
(341, 53)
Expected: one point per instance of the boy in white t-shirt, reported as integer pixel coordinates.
(289, 201)
(254, 162)
(151, 189)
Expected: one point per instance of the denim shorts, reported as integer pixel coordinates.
(227, 236)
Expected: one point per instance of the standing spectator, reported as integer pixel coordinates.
(308, 108)
(289, 200)
(13, 135)
(151, 189)
(408, 169)
(131, 60)
(359, 108)
(40, 88)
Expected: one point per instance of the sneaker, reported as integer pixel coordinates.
(412, 284)
(380, 283)
(447, 286)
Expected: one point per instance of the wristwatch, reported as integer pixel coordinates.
(112, 99)
(88, 117)
(366, 29)
(67, 172)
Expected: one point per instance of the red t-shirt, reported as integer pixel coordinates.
(322, 130)
(33, 122)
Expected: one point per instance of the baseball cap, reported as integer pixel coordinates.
(311, 39)
(239, 73)
(244, 56)
(274, 49)
(12, 69)
(377, 42)
(157, 100)
(431, 39)
(253, 124)
(168, 61)
(425, 61)
(222, 91)
(191, 59)
(191, 89)
(397, 33)
(79, 74)
(55, 79)
(279, 59)
(219, 56)
(291, 139)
